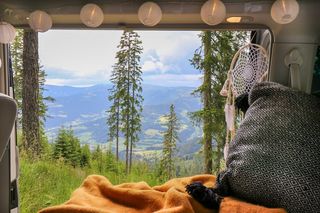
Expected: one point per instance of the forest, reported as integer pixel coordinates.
(50, 171)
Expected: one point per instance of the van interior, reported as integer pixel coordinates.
(296, 43)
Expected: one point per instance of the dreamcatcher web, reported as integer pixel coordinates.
(251, 63)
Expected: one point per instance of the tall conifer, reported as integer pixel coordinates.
(125, 113)
(21, 76)
(213, 58)
(170, 139)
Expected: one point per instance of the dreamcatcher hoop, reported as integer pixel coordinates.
(249, 66)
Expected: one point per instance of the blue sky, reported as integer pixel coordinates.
(85, 57)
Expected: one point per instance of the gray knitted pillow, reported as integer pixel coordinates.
(274, 159)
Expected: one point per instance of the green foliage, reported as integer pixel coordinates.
(189, 165)
(167, 166)
(67, 147)
(85, 156)
(16, 50)
(113, 120)
(97, 157)
(213, 58)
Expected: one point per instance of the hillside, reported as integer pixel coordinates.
(84, 109)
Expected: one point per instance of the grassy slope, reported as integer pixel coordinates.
(43, 184)
(47, 183)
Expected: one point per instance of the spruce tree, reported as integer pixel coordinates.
(113, 120)
(136, 92)
(170, 139)
(213, 58)
(97, 156)
(75, 155)
(67, 147)
(125, 113)
(85, 156)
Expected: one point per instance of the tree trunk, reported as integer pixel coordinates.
(128, 129)
(30, 95)
(117, 133)
(128, 114)
(131, 135)
(207, 99)
(220, 146)
(130, 162)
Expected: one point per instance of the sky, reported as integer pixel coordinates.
(85, 57)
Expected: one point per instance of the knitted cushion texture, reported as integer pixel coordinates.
(274, 159)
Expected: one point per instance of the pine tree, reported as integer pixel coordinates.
(67, 147)
(113, 120)
(75, 154)
(214, 57)
(125, 113)
(85, 156)
(136, 92)
(60, 149)
(169, 145)
(17, 52)
(30, 95)
(97, 156)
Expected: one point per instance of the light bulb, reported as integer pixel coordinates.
(150, 14)
(284, 11)
(40, 21)
(7, 33)
(213, 12)
(234, 19)
(91, 15)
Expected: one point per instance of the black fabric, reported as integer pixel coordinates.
(242, 102)
(208, 197)
(274, 159)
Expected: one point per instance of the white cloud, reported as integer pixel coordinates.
(86, 57)
(169, 45)
(70, 82)
(154, 65)
(79, 52)
(174, 80)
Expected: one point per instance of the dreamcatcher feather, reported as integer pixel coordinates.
(249, 66)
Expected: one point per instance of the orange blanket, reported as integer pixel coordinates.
(98, 195)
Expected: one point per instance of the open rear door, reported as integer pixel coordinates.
(9, 159)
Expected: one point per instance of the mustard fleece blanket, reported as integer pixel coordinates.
(98, 195)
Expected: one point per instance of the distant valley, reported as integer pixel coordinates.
(84, 110)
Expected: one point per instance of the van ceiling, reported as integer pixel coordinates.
(302, 33)
(177, 14)
(125, 11)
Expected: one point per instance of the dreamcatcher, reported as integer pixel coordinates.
(249, 66)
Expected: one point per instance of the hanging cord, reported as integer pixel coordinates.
(294, 61)
(242, 76)
(4, 151)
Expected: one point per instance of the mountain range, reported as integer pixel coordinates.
(84, 109)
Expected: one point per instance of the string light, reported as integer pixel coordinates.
(7, 33)
(40, 21)
(91, 15)
(284, 11)
(213, 12)
(150, 14)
